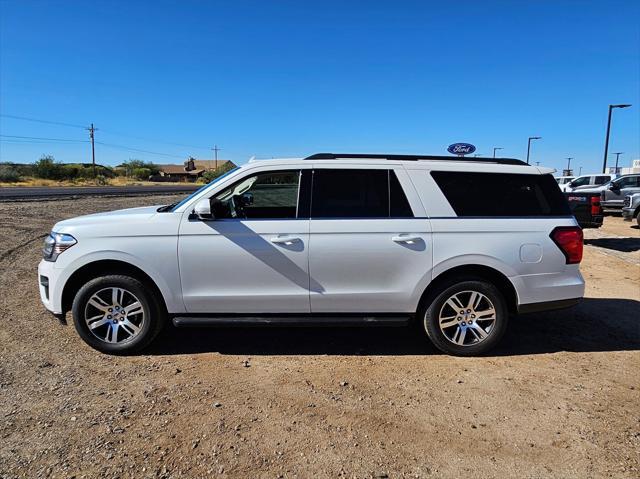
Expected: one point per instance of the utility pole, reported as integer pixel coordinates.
(569, 164)
(92, 130)
(496, 148)
(215, 150)
(529, 145)
(617, 157)
(606, 141)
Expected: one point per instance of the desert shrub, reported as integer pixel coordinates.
(102, 180)
(130, 167)
(120, 171)
(9, 174)
(47, 168)
(141, 173)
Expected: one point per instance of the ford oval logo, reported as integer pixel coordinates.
(461, 149)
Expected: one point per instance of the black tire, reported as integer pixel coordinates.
(154, 316)
(434, 304)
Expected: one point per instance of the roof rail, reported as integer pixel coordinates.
(477, 159)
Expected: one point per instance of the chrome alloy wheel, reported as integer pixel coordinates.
(467, 318)
(114, 315)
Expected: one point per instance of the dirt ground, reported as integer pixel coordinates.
(559, 398)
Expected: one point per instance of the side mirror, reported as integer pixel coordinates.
(614, 186)
(202, 210)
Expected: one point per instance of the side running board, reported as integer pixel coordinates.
(301, 320)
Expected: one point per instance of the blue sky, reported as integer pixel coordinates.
(290, 78)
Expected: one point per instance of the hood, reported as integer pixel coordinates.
(119, 217)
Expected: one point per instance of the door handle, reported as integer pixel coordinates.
(406, 238)
(285, 240)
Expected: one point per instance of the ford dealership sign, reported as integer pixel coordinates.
(461, 149)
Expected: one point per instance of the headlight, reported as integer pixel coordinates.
(55, 244)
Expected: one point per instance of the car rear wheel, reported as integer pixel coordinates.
(117, 314)
(466, 318)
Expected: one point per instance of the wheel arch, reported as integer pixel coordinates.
(99, 268)
(497, 278)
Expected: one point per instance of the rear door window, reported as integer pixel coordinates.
(357, 193)
(501, 194)
(601, 179)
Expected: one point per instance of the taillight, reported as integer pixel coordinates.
(569, 240)
(596, 208)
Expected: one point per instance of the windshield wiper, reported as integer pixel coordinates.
(162, 209)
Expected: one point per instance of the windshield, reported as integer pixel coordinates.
(175, 206)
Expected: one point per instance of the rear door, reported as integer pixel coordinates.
(370, 242)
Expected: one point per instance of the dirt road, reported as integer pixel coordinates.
(559, 398)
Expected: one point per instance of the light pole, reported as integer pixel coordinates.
(529, 145)
(580, 171)
(496, 148)
(569, 164)
(617, 158)
(606, 141)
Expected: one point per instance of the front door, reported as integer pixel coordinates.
(253, 257)
(368, 252)
(615, 197)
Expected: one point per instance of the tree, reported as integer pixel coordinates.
(211, 175)
(47, 168)
(135, 168)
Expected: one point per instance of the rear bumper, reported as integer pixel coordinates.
(594, 222)
(549, 288)
(547, 305)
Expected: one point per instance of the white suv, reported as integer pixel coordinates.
(458, 244)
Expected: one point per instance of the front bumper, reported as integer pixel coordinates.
(50, 287)
(627, 214)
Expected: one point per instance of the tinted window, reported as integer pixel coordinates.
(627, 181)
(357, 194)
(600, 180)
(399, 205)
(265, 195)
(501, 194)
(583, 180)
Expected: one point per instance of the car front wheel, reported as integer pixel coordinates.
(117, 314)
(466, 318)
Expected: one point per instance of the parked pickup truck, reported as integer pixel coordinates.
(631, 208)
(586, 208)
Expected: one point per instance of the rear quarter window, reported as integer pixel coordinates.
(501, 194)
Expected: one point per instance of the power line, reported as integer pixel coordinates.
(137, 150)
(24, 118)
(32, 142)
(110, 132)
(40, 138)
